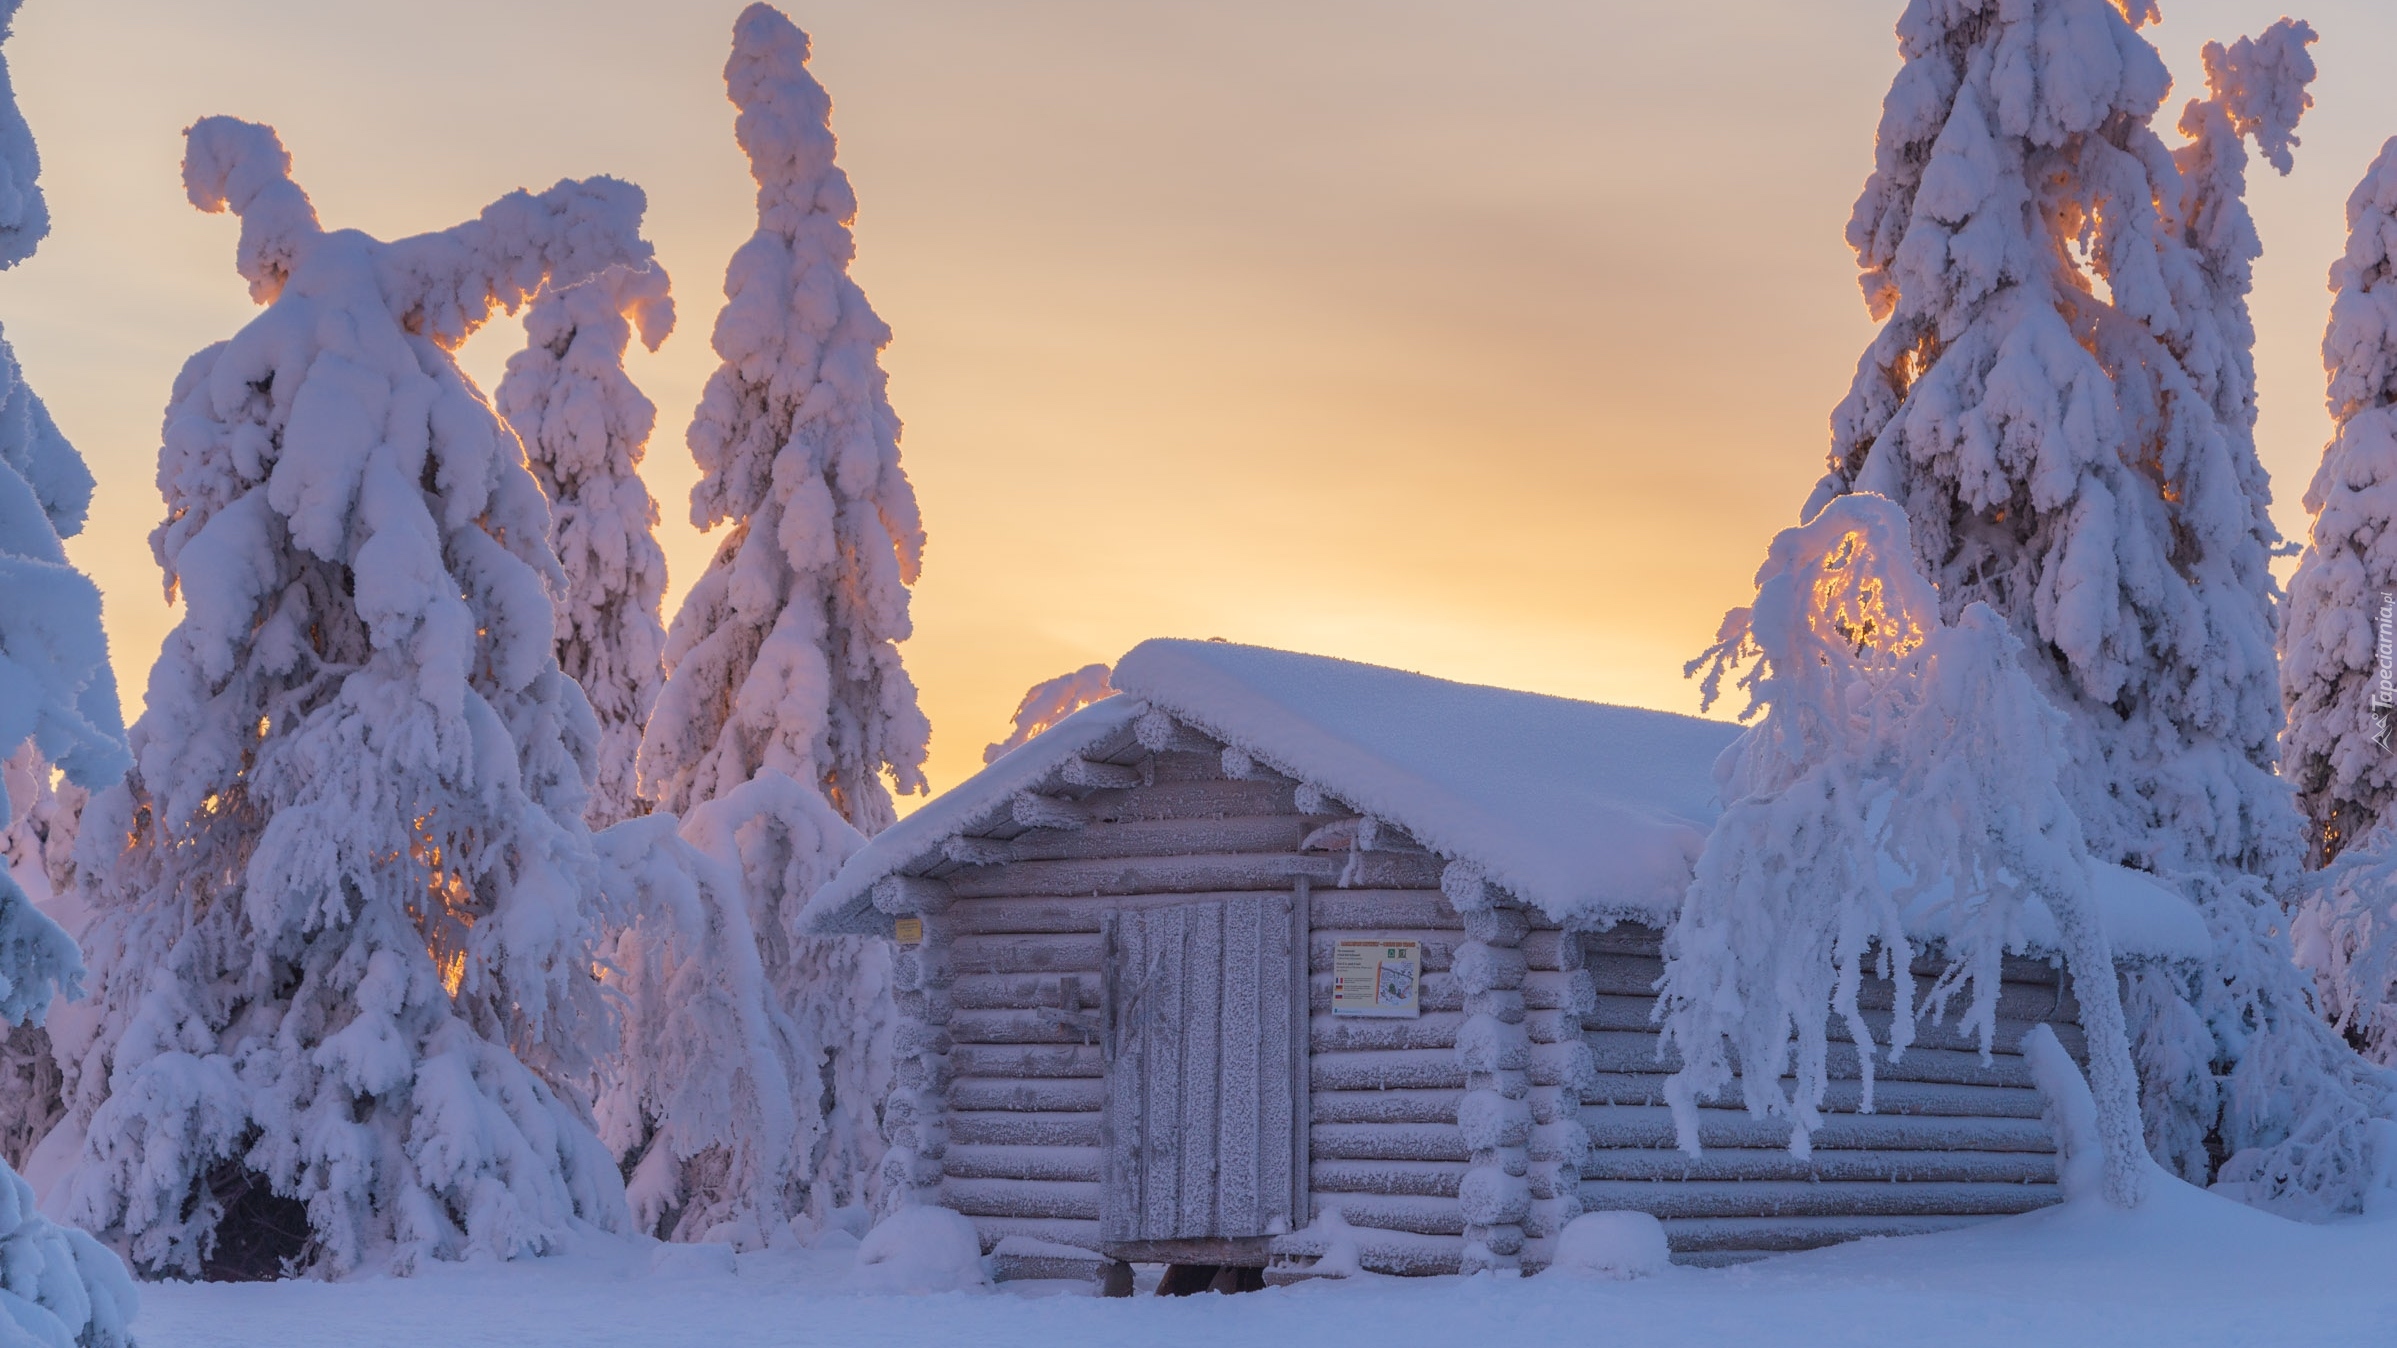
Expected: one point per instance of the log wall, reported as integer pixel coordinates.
(1951, 1141)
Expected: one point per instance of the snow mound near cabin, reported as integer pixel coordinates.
(1619, 1245)
(921, 1249)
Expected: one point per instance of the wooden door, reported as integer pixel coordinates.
(1202, 1086)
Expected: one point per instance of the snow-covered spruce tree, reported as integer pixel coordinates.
(1045, 704)
(785, 655)
(2339, 639)
(339, 927)
(585, 427)
(59, 1288)
(1904, 767)
(2046, 399)
(783, 660)
(2337, 676)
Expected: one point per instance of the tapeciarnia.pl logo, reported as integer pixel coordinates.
(2384, 668)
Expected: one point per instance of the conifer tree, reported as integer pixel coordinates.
(58, 704)
(2332, 644)
(2339, 640)
(783, 666)
(2256, 88)
(784, 657)
(341, 932)
(585, 428)
(2060, 398)
(714, 1104)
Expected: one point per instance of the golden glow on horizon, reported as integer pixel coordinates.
(1211, 321)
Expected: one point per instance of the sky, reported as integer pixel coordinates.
(1491, 340)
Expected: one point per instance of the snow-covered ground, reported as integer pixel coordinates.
(2187, 1269)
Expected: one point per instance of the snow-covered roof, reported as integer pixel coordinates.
(1592, 813)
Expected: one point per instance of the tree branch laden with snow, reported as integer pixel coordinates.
(1045, 704)
(712, 1107)
(1904, 775)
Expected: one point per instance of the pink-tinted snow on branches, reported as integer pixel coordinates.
(1045, 704)
(784, 656)
(585, 428)
(787, 716)
(342, 931)
(2339, 639)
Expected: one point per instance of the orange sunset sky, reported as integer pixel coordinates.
(1491, 340)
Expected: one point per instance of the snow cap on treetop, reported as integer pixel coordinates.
(2261, 83)
(444, 284)
(230, 164)
(785, 122)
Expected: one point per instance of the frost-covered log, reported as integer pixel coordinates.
(1494, 1198)
(342, 925)
(585, 428)
(1904, 775)
(915, 1116)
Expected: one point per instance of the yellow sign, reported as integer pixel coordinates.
(909, 930)
(1377, 978)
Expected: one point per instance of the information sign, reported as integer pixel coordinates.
(1377, 978)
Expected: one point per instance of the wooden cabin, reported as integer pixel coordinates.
(1267, 935)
